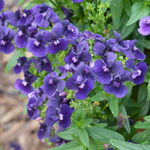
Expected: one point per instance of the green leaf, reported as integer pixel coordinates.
(142, 93)
(122, 145)
(141, 137)
(84, 137)
(74, 145)
(85, 122)
(116, 10)
(100, 96)
(101, 125)
(127, 7)
(96, 145)
(144, 107)
(127, 30)
(139, 10)
(126, 98)
(13, 60)
(148, 89)
(132, 103)
(114, 2)
(80, 114)
(66, 134)
(147, 75)
(144, 43)
(147, 118)
(142, 125)
(20, 2)
(102, 134)
(113, 105)
(25, 110)
(126, 124)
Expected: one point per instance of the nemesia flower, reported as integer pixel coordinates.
(44, 131)
(116, 86)
(144, 24)
(82, 81)
(56, 139)
(104, 68)
(6, 37)
(52, 82)
(77, 1)
(1, 5)
(42, 63)
(62, 116)
(12, 18)
(37, 45)
(78, 53)
(15, 146)
(3, 21)
(138, 71)
(67, 12)
(56, 42)
(22, 65)
(25, 85)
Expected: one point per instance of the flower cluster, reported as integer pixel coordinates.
(89, 58)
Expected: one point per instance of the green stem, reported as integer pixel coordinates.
(55, 4)
(97, 5)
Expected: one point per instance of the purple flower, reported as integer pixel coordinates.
(56, 42)
(3, 21)
(25, 85)
(138, 71)
(78, 54)
(22, 65)
(1, 5)
(104, 68)
(12, 18)
(82, 81)
(42, 63)
(130, 140)
(71, 32)
(110, 148)
(37, 45)
(6, 37)
(116, 86)
(120, 45)
(77, 1)
(134, 52)
(144, 26)
(67, 12)
(62, 116)
(56, 139)
(44, 131)
(15, 146)
(58, 99)
(52, 82)
(26, 18)
(32, 110)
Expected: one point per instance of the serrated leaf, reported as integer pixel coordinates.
(66, 134)
(122, 145)
(84, 137)
(103, 134)
(139, 10)
(74, 145)
(141, 137)
(116, 10)
(126, 124)
(13, 60)
(113, 105)
(142, 125)
(100, 96)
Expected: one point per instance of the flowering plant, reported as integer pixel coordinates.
(80, 77)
